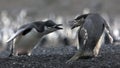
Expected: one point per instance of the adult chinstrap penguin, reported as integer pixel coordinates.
(90, 35)
(27, 36)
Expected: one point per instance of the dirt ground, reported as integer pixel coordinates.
(56, 57)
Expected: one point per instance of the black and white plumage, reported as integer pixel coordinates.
(27, 36)
(90, 35)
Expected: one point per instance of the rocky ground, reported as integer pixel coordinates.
(56, 57)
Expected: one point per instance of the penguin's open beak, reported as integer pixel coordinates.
(57, 26)
(74, 24)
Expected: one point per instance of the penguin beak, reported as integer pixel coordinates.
(57, 26)
(74, 24)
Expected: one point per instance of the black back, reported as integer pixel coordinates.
(94, 24)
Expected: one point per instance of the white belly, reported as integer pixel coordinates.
(27, 42)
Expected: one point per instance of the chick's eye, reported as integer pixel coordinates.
(46, 28)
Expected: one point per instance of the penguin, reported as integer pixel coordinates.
(90, 35)
(28, 35)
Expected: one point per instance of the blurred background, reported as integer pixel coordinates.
(14, 13)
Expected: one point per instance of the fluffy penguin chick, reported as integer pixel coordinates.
(27, 36)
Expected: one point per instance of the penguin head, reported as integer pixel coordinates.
(50, 26)
(78, 21)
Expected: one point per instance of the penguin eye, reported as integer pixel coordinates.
(75, 21)
(79, 20)
(47, 28)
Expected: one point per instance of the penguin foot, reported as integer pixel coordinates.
(87, 54)
(82, 55)
(18, 53)
(71, 60)
(10, 55)
(74, 58)
(25, 53)
(86, 57)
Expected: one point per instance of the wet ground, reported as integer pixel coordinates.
(42, 57)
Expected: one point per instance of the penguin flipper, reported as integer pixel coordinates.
(16, 34)
(109, 34)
